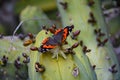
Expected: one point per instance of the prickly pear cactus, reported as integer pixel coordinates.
(10, 67)
(85, 52)
(73, 67)
(86, 15)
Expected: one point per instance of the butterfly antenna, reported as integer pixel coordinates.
(19, 25)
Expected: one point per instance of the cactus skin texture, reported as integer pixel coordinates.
(12, 49)
(86, 15)
(60, 69)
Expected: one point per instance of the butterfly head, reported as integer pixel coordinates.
(43, 50)
(70, 28)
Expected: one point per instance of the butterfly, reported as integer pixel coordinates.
(57, 39)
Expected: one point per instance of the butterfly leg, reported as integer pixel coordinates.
(63, 55)
(55, 54)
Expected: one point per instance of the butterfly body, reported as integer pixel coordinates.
(57, 40)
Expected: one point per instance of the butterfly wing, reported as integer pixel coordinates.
(56, 40)
(65, 34)
(51, 41)
(45, 48)
(66, 31)
(47, 44)
(58, 37)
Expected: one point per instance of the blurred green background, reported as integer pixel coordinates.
(36, 13)
(14, 11)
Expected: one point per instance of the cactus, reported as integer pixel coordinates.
(39, 17)
(36, 18)
(60, 69)
(89, 51)
(86, 15)
(9, 52)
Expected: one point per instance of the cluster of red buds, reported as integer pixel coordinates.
(64, 5)
(39, 68)
(27, 58)
(29, 41)
(112, 69)
(17, 63)
(99, 33)
(91, 3)
(92, 19)
(4, 60)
